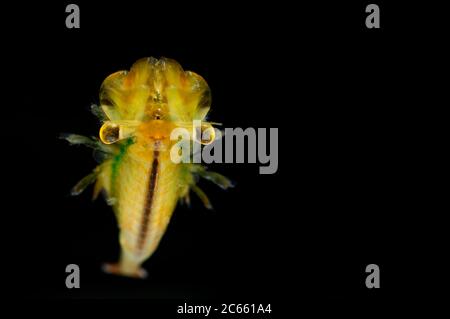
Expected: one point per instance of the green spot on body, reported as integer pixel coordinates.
(116, 162)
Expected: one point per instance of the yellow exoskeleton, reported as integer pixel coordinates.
(139, 109)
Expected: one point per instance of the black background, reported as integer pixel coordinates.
(343, 196)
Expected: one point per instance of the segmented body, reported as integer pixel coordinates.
(147, 190)
(139, 110)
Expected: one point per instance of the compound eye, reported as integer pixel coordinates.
(110, 133)
(205, 134)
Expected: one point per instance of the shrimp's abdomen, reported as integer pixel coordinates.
(146, 189)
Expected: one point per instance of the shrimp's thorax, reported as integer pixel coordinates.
(153, 135)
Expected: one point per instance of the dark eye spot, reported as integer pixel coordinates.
(157, 114)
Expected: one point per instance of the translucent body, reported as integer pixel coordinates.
(139, 110)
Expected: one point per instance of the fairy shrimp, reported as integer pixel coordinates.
(138, 110)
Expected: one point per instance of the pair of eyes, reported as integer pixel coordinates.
(111, 132)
